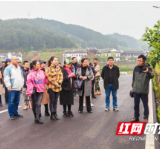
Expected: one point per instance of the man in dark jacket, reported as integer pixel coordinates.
(76, 66)
(140, 86)
(25, 71)
(110, 75)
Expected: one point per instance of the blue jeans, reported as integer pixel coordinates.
(13, 102)
(114, 95)
(144, 98)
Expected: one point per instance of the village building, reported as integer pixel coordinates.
(118, 54)
(74, 53)
(4, 56)
(131, 53)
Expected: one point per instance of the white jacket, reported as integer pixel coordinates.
(13, 77)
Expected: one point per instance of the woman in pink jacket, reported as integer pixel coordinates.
(36, 81)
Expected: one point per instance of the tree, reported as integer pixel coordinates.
(113, 54)
(152, 36)
(104, 57)
(123, 59)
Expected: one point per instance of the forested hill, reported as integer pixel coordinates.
(42, 33)
(18, 34)
(82, 36)
(130, 41)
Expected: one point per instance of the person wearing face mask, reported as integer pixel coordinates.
(55, 77)
(66, 94)
(36, 81)
(85, 74)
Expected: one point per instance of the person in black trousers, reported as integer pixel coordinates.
(66, 94)
(85, 74)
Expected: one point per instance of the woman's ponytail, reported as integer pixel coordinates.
(51, 59)
(33, 64)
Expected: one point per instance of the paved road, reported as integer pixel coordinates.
(95, 130)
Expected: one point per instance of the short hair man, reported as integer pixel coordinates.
(25, 71)
(110, 75)
(140, 86)
(97, 76)
(14, 81)
(19, 64)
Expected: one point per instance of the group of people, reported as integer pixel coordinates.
(45, 85)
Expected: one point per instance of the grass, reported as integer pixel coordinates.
(126, 69)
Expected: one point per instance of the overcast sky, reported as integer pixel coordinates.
(128, 18)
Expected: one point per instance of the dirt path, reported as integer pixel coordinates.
(36, 57)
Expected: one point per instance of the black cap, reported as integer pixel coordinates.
(41, 61)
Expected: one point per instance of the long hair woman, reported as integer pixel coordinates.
(85, 74)
(55, 77)
(36, 81)
(66, 94)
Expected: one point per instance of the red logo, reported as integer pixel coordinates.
(130, 128)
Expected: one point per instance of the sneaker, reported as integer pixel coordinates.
(95, 92)
(92, 105)
(135, 120)
(83, 104)
(94, 97)
(99, 93)
(116, 109)
(25, 108)
(107, 109)
(80, 111)
(70, 114)
(12, 117)
(18, 116)
(65, 114)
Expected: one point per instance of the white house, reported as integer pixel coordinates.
(109, 51)
(4, 56)
(74, 53)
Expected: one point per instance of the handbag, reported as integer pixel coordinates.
(78, 84)
(131, 94)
